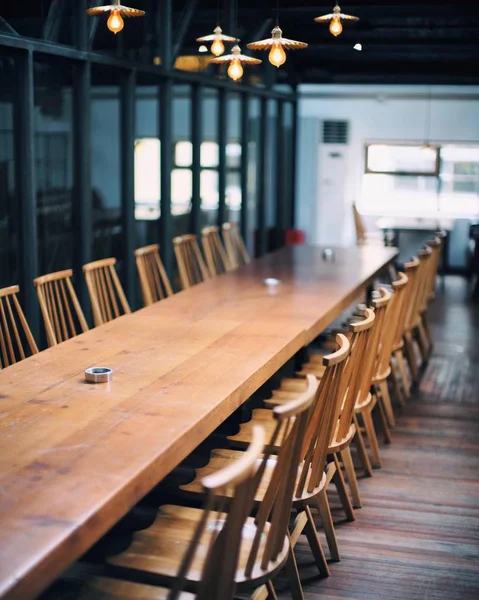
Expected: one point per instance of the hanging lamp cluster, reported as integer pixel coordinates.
(116, 11)
(276, 44)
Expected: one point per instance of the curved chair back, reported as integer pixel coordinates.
(61, 311)
(16, 339)
(107, 297)
(190, 261)
(215, 254)
(235, 246)
(154, 281)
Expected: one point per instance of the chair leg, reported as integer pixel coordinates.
(411, 357)
(384, 423)
(361, 447)
(351, 475)
(388, 407)
(372, 438)
(427, 331)
(272, 592)
(342, 491)
(396, 386)
(401, 363)
(293, 576)
(315, 544)
(423, 343)
(328, 526)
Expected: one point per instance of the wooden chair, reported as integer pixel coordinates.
(264, 549)
(347, 427)
(107, 297)
(16, 339)
(436, 246)
(154, 281)
(184, 547)
(363, 237)
(191, 265)
(216, 258)
(414, 326)
(385, 368)
(410, 270)
(311, 481)
(61, 311)
(235, 246)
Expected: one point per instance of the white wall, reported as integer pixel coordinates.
(375, 113)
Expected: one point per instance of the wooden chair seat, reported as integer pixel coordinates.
(222, 457)
(107, 588)
(158, 551)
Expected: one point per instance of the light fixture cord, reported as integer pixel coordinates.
(277, 13)
(217, 12)
(428, 121)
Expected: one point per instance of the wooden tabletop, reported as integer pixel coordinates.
(415, 223)
(75, 457)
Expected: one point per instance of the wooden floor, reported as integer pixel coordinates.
(417, 536)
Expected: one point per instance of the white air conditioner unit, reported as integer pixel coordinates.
(332, 211)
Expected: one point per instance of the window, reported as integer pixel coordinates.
(147, 177)
(401, 179)
(402, 160)
(209, 160)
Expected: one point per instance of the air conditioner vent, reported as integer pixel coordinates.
(335, 132)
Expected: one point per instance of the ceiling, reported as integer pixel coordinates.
(404, 41)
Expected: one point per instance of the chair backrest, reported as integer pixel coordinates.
(235, 487)
(420, 288)
(107, 297)
(394, 312)
(353, 379)
(16, 339)
(235, 246)
(286, 442)
(359, 226)
(323, 418)
(154, 281)
(62, 314)
(191, 265)
(411, 271)
(216, 258)
(369, 359)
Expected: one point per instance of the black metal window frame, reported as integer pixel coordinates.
(24, 51)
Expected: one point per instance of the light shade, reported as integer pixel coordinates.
(236, 60)
(335, 17)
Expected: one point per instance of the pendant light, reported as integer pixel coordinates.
(117, 12)
(427, 148)
(335, 18)
(218, 38)
(277, 44)
(236, 60)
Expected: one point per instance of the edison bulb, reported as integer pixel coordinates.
(336, 27)
(115, 22)
(277, 55)
(217, 48)
(235, 70)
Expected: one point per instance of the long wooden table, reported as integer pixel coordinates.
(74, 457)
